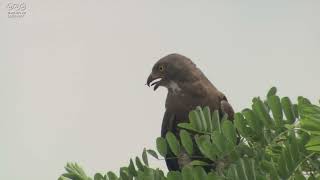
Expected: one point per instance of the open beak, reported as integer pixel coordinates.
(154, 80)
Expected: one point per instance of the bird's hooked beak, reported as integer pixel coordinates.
(154, 80)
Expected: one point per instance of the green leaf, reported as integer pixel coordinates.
(186, 141)
(132, 169)
(229, 131)
(232, 173)
(310, 124)
(269, 167)
(289, 126)
(62, 177)
(241, 125)
(262, 113)
(173, 143)
(314, 148)
(245, 150)
(75, 171)
(282, 168)
(252, 171)
(202, 119)
(221, 142)
(207, 116)
(309, 109)
(213, 176)
(314, 141)
(195, 120)
(112, 175)
(299, 176)
(208, 149)
(124, 173)
(158, 174)
(186, 173)
(216, 121)
(294, 147)
(276, 109)
(243, 168)
(302, 139)
(198, 163)
(272, 92)
(288, 109)
(199, 173)
(303, 101)
(139, 164)
(99, 176)
(162, 146)
(152, 153)
(288, 159)
(187, 126)
(174, 175)
(296, 110)
(145, 157)
(148, 174)
(252, 120)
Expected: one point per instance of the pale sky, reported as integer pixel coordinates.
(73, 72)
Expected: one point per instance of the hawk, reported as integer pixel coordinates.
(187, 88)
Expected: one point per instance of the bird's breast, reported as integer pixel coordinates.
(182, 102)
(185, 102)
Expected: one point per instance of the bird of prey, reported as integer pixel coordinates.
(187, 88)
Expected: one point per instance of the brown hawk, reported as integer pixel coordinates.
(187, 88)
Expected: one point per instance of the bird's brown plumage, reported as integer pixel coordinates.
(188, 88)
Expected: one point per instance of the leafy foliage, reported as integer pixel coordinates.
(274, 139)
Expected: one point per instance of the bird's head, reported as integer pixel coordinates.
(171, 68)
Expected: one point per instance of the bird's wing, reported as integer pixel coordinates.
(168, 125)
(226, 107)
(195, 89)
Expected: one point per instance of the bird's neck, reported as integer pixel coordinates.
(173, 87)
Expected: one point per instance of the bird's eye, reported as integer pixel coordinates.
(161, 68)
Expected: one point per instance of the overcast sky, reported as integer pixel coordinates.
(73, 72)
